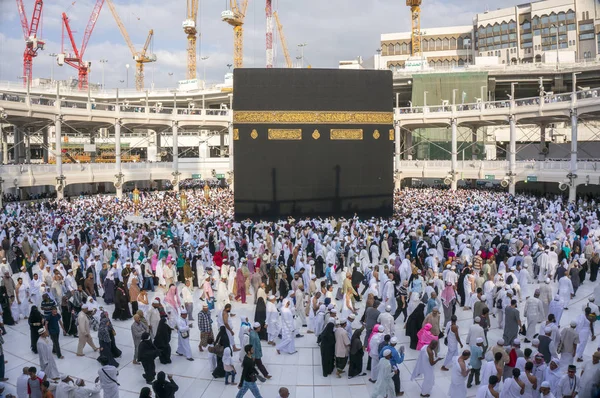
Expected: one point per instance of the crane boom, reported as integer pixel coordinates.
(124, 33)
(147, 44)
(269, 36)
(90, 26)
(24, 22)
(32, 42)
(415, 36)
(286, 53)
(235, 17)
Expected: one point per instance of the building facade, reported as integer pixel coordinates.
(550, 31)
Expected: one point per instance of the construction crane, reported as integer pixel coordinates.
(32, 42)
(235, 17)
(139, 57)
(76, 58)
(189, 27)
(415, 36)
(286, 53)
(269, 12)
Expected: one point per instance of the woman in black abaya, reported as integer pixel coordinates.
(260, 316)
(356, 355)
(162, 341)
(121, 304)
(7, 317)
(35, 323)
(223, 340)
(414, 323)
(327, 342)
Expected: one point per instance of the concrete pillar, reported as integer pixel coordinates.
(3, 147)
(397, 155)
(512, 153)
(454, 155)
(93, 141)
(542, 156)
(58, 151)
(222, 145)
(573, 168)
(45, 135)
(27, 147)
(158, 146)
(176, 156)
(474, 156)
(118, 169)
(17, 145)
(231, 143)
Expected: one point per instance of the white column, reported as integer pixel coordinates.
(3, 147)
(27, 148)
(58, 155)
(175, 129)
(512, 153)
(45, 135)
(231, 144)
(397, 150)
(454, 155)
(573, 168)
(118, 170)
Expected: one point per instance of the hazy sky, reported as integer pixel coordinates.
(334, 30)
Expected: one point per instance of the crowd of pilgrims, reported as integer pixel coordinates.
(359, 287)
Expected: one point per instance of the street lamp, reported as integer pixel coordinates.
(557, 43)
(103, 61)
(302, 45)
(229, 66)
(127, 67)
(52, 67)
(170, 78)
(204, 68)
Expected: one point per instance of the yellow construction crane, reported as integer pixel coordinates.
(235, 17)
(286, 53)
(140, 57)
(415, 37)
(189, 27)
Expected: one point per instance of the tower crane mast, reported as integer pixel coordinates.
(32, 42)
(139, 57)
(269, 12)
(189, 27)
(235, 17)
(415, 35)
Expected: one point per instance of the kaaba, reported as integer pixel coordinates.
(312, 142)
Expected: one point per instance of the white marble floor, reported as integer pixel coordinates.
(300, 373)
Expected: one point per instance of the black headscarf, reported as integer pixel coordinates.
(163, 334)
(356, 344)
(327, 342)
(222, 337)
(260, 316)
(35, 316)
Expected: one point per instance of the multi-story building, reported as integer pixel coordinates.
(550, 31)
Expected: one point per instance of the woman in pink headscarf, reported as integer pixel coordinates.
(172, 298)
(425, 336)
(240, 281)
(373, 332)
(154, 261)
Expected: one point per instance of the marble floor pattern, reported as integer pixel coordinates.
(300, 373)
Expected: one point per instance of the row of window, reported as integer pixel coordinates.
(426, 45)
(433, 63)
(554, 18)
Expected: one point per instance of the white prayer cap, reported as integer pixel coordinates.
(271, 297)
(592, 298)
(547, 329)
(313, 277)
(156, 300)
(381, 329)
(338, 322)
(526, 265)
(387, 352)
(545, 384)
(501, 342)
(573, 324)
(256, 325)
(41, 330)
(516, 342)
(388, 308)
(183, 311)
(477, 319)
(393, 340)
(483, 297)
(556, 297)
(70, 271)
(535, 342)
(351, 316)
(479, 340)
(547, 280)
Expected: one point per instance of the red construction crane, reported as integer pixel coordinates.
(32, 43)
(75, 59)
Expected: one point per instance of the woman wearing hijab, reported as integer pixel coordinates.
(413, 324)
(7, 317)
(326, 341)
(163, 388)
(172, 299)
(240, 281)
(260, 316)
(109, 288)
(448, 298)
(105, 330)
(356, 355)
(425, 336)
(35, 323)
(221, 340)
(162, 341)
(121, 312)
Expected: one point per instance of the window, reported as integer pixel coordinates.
(513, 44)
(489, 30)
(438, 44)
(461, 61)
(512, 25)
(496, 28)
(453, 63)
(586, 36)
(490, 40)
(562, 17)
(496, 39)
(460, 43)
(526, 36)
(504, 38)
(545, 19)
(571, 15)
(526, 25)
(571, 27)
(564, 45)
(553, 18)
(425, 46)
(446, 43)
(586, 26)
(391, 49)
(453, 43)
(397, 49)
(528, 44)
(537, 32)
(535, 21)
(504, 27)
(481, 31)
(504, 45)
